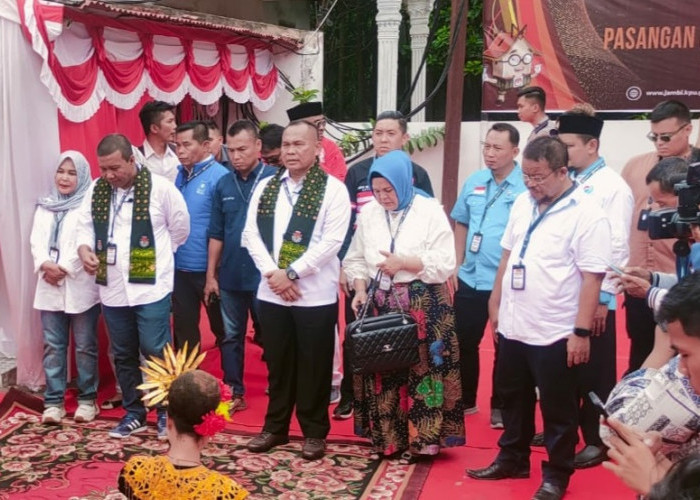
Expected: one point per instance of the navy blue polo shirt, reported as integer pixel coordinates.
(237, 271)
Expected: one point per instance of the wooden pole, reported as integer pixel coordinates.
(453, 113)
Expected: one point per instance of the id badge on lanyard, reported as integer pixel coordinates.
(476, 243)
(54, 253)
(111, 254)
(517, 277)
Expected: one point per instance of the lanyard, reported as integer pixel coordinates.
(289, 195)
(117, 208)
(537, 221)
(541, 126)
(398, 228)
(599, 163)
(57, 220)
(257, 179)
(501, 190)
(186, 181)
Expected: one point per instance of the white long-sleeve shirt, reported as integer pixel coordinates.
(77, 292)
(165, 166)
(319, 267)
(171, 226)
(424, 233)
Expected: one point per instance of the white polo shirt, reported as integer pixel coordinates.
(573, 237)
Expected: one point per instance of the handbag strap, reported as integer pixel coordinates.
(370, 296)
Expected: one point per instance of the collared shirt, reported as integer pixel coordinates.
(318, 268)
(424, 233)
(573, 237)
(171, 225)
(78, 291)
(237, 271)
(613, 195)
(165, 165)
(479, 269)
(542, 129)
(650, 254)
(198, 192)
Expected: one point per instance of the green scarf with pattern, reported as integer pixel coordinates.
(142, 253)
(301, 225)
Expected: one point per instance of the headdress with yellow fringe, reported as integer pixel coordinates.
(160, 374)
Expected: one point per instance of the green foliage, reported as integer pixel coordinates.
(302, 95)
(428, 138)
(437, 52)
(353, 142)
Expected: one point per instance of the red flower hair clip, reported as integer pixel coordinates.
(215, 420)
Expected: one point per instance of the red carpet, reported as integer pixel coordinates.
(446, 478)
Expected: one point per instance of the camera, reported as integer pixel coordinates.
(675, 223)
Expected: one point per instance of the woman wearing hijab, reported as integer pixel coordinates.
(65, 295)
(407, 236)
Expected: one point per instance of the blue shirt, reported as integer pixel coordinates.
(198, 192)
(479, 269)
(237, 271)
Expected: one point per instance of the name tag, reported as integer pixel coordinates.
(476, 243)
(53, 254)
(111, 254)
(385, 283)
(517, 277)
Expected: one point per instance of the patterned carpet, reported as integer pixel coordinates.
(80, 461)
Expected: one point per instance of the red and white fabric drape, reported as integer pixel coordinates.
(88, 59)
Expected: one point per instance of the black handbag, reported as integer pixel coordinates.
(383, 343)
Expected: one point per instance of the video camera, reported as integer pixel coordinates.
(675, 223)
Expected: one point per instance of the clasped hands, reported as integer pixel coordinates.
(282, 286)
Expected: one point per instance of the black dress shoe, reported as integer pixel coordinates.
(499, 471)
(590, 456)
(344, 409)
(313, 448)
(537, 439)
(549, 491)
(265, 441)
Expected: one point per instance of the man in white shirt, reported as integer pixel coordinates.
(131, 222)
(158, 122)
(581, 135)
(295, 225)
(531, 109)
(556, 248)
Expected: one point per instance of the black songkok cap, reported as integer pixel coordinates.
(304, 110)
(580, 124)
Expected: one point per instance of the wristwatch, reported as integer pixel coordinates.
(582, 332)
(291, 274)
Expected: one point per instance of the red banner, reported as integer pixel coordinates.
(618, 55)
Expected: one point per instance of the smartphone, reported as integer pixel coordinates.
(213, 299)
(598, 404)
(616, 270)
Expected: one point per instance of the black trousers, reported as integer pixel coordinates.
(188, 297)
(598, 375)
(298, 343)
(471, 315)
(640, 330)
(521, 367)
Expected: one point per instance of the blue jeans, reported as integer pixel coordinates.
(57, 326)
(234, 311)
(132, 330)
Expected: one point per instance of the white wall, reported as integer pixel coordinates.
(620, 141)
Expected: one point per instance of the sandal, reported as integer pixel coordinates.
(408, 458)
(111, 404)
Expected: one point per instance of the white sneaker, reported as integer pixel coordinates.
(53, 415)
(86, 412)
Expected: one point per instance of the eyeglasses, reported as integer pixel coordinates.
(273, 160)
(516, 59)
(536, 179)
(320, 123)
(665, 137)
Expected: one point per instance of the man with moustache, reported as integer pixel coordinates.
(670, 132)
(197, 179)
(130, 224)
(581, 135)
(295, 226)
(231, 273)
(556, 248)
(480, 214)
